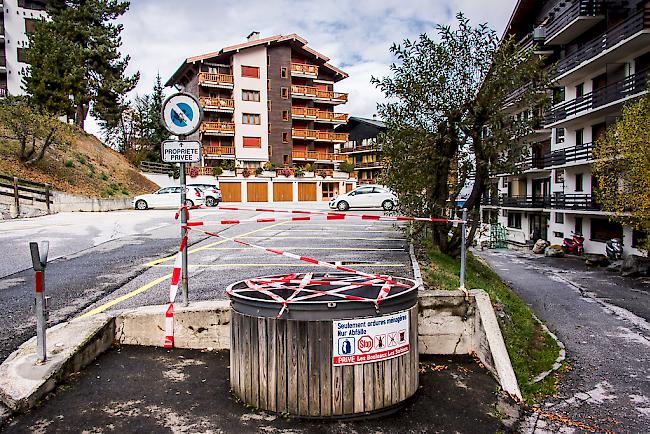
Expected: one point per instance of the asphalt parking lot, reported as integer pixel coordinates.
(215, 263)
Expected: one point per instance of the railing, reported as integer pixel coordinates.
(224, 127)
(209, 77)
(304, 68)
(199, 170)
(631, 85)
(218, 103)
(318, 156)
(575, 201)
(373, 147)
(155, 167)
(308, 112)
(370, 164)
(319, 135)
(613, 36)
(558, 157)
(218, 150)
(583, 8)
(526, 201)
(318, 93)
(25, 189)
(368, 181)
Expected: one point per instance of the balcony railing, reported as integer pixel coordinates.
(319, 115)
(369, 164)
(357, 148)
(218, 150)
(618, 33)
(558, 157)
(210, 127)
(199, 170)
(217, 80)
(217, 103)
(575, 201)
(317, 156)
(634, 84)
(321, 136)
(313, 92)
(582, 8)
(369, 181)
(304, 69)
(525, 201)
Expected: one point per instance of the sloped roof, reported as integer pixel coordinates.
(277, 39)
(355, 120)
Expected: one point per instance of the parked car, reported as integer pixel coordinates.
(168, 197)
(367, 196)
(211, 192)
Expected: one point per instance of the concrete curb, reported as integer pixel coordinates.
(561, 354)
(417, 273)
(447, 324)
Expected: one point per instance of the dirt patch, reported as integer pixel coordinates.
(87, 167)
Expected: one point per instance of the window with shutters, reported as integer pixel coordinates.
(250, 119)
(250, 95)
(250, 71)
(252, 142)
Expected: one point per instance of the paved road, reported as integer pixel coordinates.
(608, 346)
(133, 269)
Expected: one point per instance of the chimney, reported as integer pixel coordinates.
(254, 36)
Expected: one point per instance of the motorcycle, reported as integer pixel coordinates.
(614, 249)
(574, 245)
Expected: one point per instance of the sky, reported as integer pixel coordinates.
(356, 35)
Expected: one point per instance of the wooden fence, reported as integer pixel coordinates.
(27, 190)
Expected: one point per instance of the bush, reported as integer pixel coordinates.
(246, 172)
(308, 168)
(268, 166)
(69, 163)
(299, 172)
(346, 167)
(258, 171)
(228, 164)
(216, 171)
(103, 176)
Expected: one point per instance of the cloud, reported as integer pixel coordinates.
(356, 35)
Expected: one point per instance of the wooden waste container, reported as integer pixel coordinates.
(324, 345)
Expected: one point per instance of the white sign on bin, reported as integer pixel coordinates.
(366, 340)
(185, 151)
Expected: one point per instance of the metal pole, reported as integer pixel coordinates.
(463, 249)
(183, 235)
(41, 323)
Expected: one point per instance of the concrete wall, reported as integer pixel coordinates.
(67, 202)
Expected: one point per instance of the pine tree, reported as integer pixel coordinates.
(75, 56)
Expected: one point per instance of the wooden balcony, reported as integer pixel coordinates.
(218, 128)
(209, 151)
(304, 70)
(326, 96)
(209, 79)
(320, 136)
(199, 170)
(318, 115)
(217, 104)
(317, 156)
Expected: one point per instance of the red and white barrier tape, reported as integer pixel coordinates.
(173, 291)
(344, 215)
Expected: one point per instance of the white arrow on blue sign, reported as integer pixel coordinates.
(182, 114)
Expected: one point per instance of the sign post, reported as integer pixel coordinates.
(182, 115)
(39, 262)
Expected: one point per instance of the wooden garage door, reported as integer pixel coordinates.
(306, 191)
(282, 192)
(230, 191)
(257, 192)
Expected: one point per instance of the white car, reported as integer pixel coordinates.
(367, 196)
(168, 197)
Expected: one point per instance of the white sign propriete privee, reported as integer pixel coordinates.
(367, 340)
(174, 151)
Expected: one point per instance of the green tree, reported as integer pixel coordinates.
(34, 132)
(445, 123)
(622, 168)
(75, 62)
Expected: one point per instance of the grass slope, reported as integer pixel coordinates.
(531, 350)
(87, 167)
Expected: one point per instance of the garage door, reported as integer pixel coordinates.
(348, 188)
(257, 192)
(282, 192)
(230, 191)
(306, 191)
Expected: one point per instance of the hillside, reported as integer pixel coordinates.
(87, 167)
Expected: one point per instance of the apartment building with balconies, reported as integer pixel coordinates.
(17, 21)
(598, 54)
(266, 100)
(362, 148)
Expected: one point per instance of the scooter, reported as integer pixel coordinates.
(574, 245)
(614, 249)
